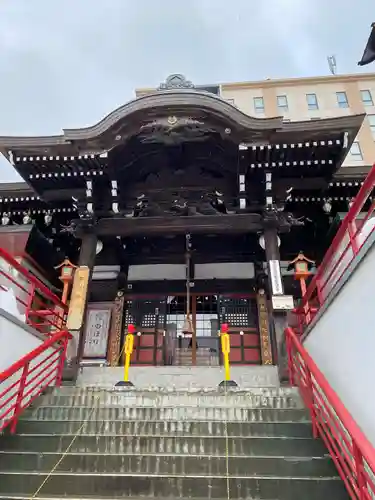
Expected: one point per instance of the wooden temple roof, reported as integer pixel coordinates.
(141, 138)
(202, 109)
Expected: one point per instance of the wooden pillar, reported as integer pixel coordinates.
(86, 258)
(271, 247)
(276, 287)
(264, 330)
(193, 299)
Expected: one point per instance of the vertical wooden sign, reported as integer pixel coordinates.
(78, 298)
(264, 330)
(275, 275)
(115, 333)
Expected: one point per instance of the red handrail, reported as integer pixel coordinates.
(345, 246)
(353, 454)
(28, 377)
(41, 308)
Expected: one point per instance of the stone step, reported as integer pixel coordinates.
(167, 428)
(208, 446)
(201, 353)
(256, 391)
(174, 413)
(130, 399)
(206, 361)
(203, 357)
(156, 465)
(40, 496)
(199, 359)
(105, 486)
(180, 377)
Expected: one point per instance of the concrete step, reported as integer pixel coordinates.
(204, 361)
(104, 486)
(152, 391)
(167, 465)
(204, 357)
(154, 399)
(172, 413)
(208, 446)
(180, 377)
(167, 428)
(200, 352)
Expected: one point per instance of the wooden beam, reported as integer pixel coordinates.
(205, 224)
(63, 194)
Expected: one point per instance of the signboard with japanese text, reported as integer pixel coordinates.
(78, 298)
(96, 333)
(282, 302)
(265, 338)
(277, 284)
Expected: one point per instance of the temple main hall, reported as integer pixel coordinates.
(187, 213)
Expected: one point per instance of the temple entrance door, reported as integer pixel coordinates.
(206, 327)
(241, 314)
(159, 321)
(202, 347)
(148, 315)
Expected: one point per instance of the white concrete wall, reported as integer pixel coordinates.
(17, 340)
(152, 272)
(224, 270)
(10, 292)
(342, 339)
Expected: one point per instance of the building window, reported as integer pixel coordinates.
(366, 98)
(259, 104)
(312, 101)
(342, 100)
(371, 119)
(282, 102)
(355, 151)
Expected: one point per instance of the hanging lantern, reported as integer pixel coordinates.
(187, 327)
(26, 218)
(48, 218)
(5, 219)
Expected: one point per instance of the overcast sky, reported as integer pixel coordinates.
(67, 63)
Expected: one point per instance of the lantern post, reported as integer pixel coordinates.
(66, 276)
(302, 266)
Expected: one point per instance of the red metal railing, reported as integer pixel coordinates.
(22, 382)
(352, 453)
(351, 236)
(26, 297)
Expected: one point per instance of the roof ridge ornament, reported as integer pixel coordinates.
(176, 81)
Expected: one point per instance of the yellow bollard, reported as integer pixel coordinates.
(225, 349)
(128, 350)
(129, 343)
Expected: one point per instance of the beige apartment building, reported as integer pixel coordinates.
(309, 98)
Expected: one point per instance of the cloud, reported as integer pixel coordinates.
(66, 63)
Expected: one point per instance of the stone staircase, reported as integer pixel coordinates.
(195, 444)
